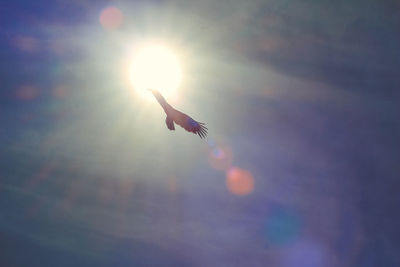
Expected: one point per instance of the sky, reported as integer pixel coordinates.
(300, 167)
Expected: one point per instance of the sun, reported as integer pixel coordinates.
(155, 67)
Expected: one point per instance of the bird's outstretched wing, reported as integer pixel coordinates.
(180, 118)
(190, 124)
(170, 123)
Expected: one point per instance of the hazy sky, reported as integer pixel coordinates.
(300, 167)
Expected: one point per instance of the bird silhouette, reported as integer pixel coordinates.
(179, 118)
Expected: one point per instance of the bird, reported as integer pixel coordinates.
(180, 118)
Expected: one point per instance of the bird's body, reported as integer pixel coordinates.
(179, 118)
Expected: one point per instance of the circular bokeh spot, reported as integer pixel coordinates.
(239, 181)
(282, 227)
(27, 92)
(220, 157)
(111, 18)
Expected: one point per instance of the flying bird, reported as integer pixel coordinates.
(179, 118)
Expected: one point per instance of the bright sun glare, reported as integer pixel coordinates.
(156, 67)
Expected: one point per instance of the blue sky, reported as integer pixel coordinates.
(299, 168)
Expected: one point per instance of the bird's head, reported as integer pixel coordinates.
(153, 91)
(157, 95)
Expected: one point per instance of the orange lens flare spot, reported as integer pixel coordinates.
(27, 92)
(111, 18)
(60, 91)
(26, 43)
(239, 181)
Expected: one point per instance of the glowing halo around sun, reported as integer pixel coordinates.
(155, 67)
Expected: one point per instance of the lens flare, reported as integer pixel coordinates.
(218, 153)
(111, 18)
(282, 227)
(172, 185)
(60, 91)
(220, 157)
(239, 181)
(26, 43)
(27, 92)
